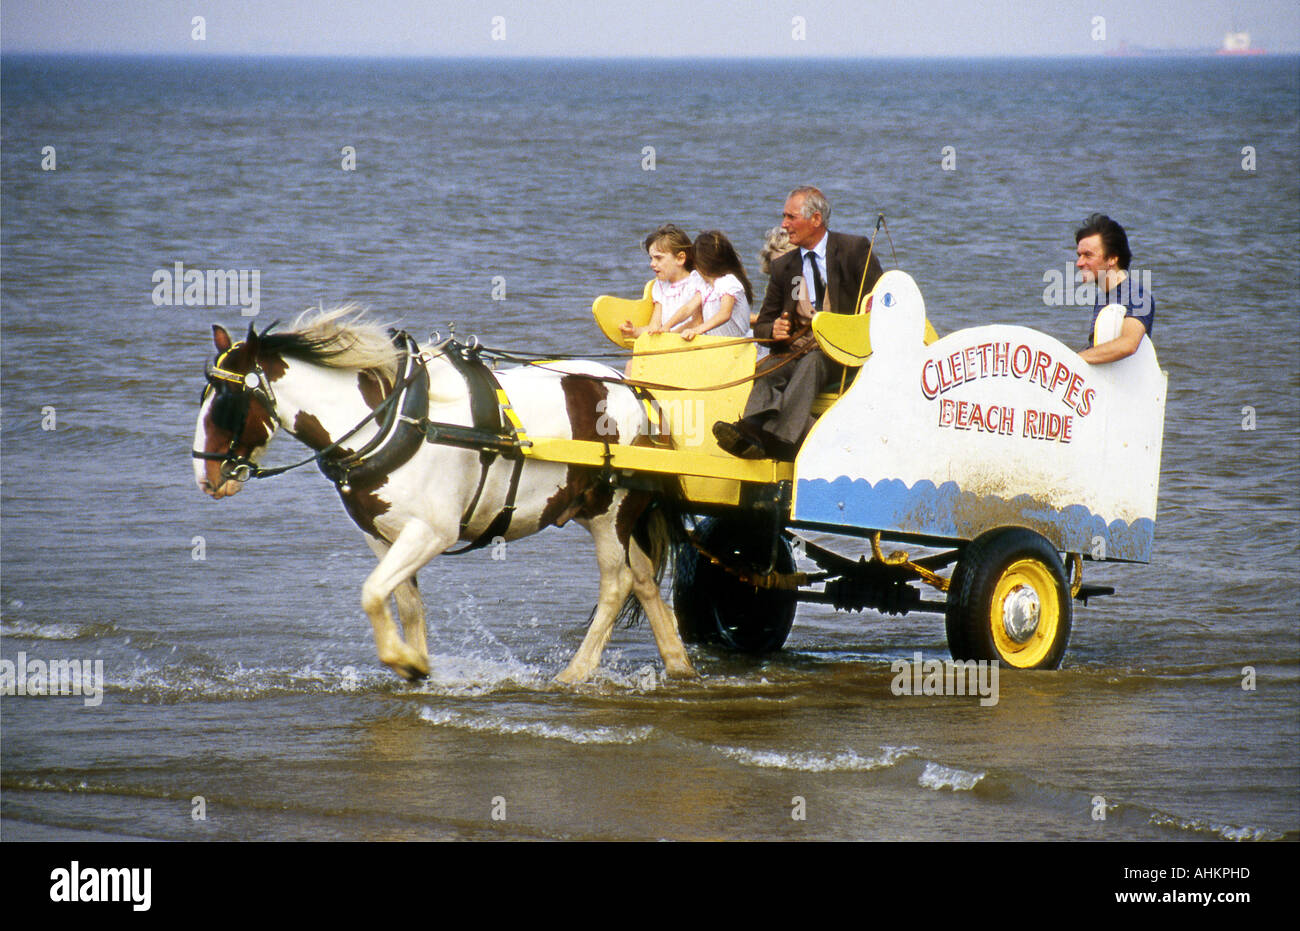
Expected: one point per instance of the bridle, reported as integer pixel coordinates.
(256, 384)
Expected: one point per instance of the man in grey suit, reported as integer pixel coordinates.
(827, 268)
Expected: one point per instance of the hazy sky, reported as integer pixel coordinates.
(679, 28)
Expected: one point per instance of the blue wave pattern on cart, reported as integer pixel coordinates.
(948, 511)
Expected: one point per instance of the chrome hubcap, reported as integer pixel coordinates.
(1020, 613)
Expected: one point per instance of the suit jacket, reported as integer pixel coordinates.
(845, 258)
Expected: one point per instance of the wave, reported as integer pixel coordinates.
(1228, 832)
(202, 681)
(196, 676)
(23, 628)
(937, 776)
(806, 762)
(496, 724)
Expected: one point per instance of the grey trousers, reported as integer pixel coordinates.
(781, 403)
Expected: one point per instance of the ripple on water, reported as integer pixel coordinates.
(811, 762)
(937, 776)
(497, 724)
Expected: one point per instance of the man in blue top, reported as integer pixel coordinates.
(1102, 246)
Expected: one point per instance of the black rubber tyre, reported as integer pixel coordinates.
(714, 607)
(1009, 600)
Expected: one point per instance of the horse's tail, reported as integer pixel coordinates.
(659, 531)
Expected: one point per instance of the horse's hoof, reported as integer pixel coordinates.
(410, 672)
(568, 677)
(681, 672)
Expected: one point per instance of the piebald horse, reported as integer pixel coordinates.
(329, 374)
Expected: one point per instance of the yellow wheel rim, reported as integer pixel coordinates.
(1025, 616)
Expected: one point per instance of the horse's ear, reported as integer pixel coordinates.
(251, 340)
(220, 337)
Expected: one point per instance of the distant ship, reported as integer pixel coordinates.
(1238, 43)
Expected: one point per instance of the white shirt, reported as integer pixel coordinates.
(738, 325)
(819, 251)
(671, 295)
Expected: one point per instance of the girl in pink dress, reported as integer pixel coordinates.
(676, 281)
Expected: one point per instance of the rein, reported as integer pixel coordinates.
(785, 360)
(529, 358)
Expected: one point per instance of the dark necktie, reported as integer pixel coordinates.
(819, 286)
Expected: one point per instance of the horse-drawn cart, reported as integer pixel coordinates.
(996, 445)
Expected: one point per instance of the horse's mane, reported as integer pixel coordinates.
(340, 338)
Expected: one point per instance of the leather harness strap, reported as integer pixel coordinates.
(491, 413)
(406, 426)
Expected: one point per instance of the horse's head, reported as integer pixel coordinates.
(236, 420)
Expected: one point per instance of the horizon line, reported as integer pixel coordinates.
(1107, 54)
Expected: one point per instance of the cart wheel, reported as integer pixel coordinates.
(713, 606)
(1009, 600)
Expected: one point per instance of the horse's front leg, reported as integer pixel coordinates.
(414, 547)
(410, 606)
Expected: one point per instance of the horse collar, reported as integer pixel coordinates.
(401, 430)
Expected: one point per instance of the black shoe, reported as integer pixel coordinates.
(732, 439)
(779, 450)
